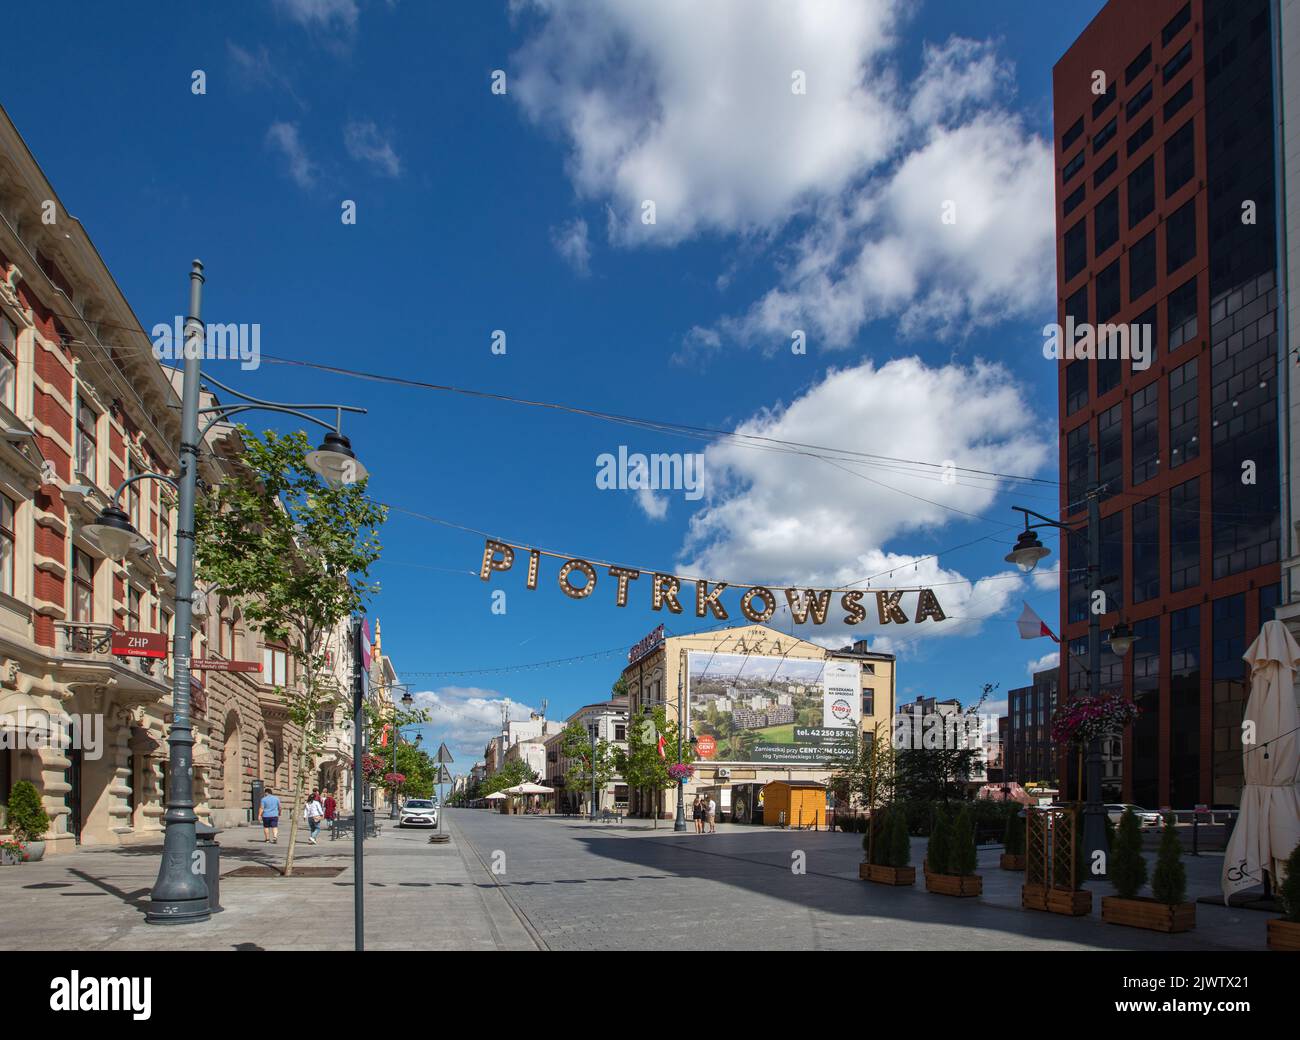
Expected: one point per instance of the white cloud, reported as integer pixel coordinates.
(467, 717)
(779, 518)
(572, 242)
(1048, 660)
(283, 138)
(367, 144)
(655, 506)
(1047, 578)
(324, 14)
(691, 106)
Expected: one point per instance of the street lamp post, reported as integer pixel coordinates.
(407, 701)
(1026, 554)
(180, 894)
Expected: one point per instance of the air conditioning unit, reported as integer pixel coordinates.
(722, 774)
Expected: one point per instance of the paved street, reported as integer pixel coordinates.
(570, 884)
(609, 886)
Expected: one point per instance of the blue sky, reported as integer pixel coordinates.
(519, 211)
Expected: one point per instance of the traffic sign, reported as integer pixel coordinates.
(444, 777)
(443, 754)
(140, 644)
(216, 664)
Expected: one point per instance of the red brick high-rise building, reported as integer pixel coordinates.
(1165, 168)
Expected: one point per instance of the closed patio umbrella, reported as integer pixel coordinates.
(1268, 826)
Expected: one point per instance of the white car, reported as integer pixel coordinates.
(1146, 817)
(419, 812)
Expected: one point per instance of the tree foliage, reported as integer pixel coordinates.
(1128, 867)
(25, 816)
(296, 553)
(511, 774)
(939, 849)
(640, 764)
(1169, 882)
(587, 762)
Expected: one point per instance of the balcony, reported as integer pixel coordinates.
(87, 657)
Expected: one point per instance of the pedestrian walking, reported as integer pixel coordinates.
(697, 813)
(713, 816)
(314, 813)
(331, 807)
(268, 811)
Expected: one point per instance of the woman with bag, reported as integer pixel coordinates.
(315, 813)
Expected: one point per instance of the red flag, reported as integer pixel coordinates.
(383, 737)
(661, 747)
(1032, 626)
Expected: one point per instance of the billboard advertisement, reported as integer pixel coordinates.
(764, 710)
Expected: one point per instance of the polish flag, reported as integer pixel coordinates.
(1032, 626)
(661, 748)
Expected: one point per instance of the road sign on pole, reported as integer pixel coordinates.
(443, 756)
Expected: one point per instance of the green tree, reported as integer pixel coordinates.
(1289, 890)
(939, 850)
(587, 761)
(900, 842)
(296, 551)
(640, 764)
(963, 860)
(25, 817)
(513, 773)
(1014, 835)
(414, 764)
(1128, 867)
(1169, 882)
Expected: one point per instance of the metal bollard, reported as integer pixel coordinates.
(1196, 830)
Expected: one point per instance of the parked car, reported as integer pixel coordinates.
(1146, 817)
(419, 812)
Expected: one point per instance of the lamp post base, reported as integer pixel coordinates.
(173, 911)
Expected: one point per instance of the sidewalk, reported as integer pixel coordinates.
(95, 899)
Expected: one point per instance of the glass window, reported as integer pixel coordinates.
(1145, 405)
(1076, 249)
(1180, 237)
(83, 586)
(1184, 442)
(1184, 707)
(1175, 24)
(1073, 134)
(7, 544)
(87, 450)
(1180, 99)
(1077, 449)
(1102, 137)
(1136, 66)
(1180, 158)
(1185, 536)
(165, 531)
(1073, 166)
(1138, 101)
(1105, 223)
(8, 362)
(1142, 266)
(1181, 314)
(1146, 550)
(1139, 137)
(1104, 102)
(1074, 200)
(1103, 171)
(1141, 191)
(1076, 386)
(1178, 62)
(1112, 582)
(1110, 450)
(1146, 730)
(1108, 293)
(274, 666)
(132, 609)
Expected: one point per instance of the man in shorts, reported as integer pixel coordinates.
(269, 813)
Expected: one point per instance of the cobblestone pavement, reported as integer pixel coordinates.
(569, 884)
(587, 885)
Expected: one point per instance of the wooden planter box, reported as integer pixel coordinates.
(1012, 862)
(954, 885)
(1056, 900)
(887, 875)
(1148, 913)
(1283, 935)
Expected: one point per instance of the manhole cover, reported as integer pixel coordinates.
(264, 872)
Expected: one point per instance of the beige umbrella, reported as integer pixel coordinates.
(495, 796)
(529, 788)
(1268, 826)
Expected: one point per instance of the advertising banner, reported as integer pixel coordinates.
(758, 709)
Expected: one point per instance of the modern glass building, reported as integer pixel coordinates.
(1167, 221)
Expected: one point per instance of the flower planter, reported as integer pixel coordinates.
(954, 885)
(1067, 902)
(1010, 861)
(10, 859)
(1284, 935)
(35, 851)
(887, 875)
(1148, 913)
